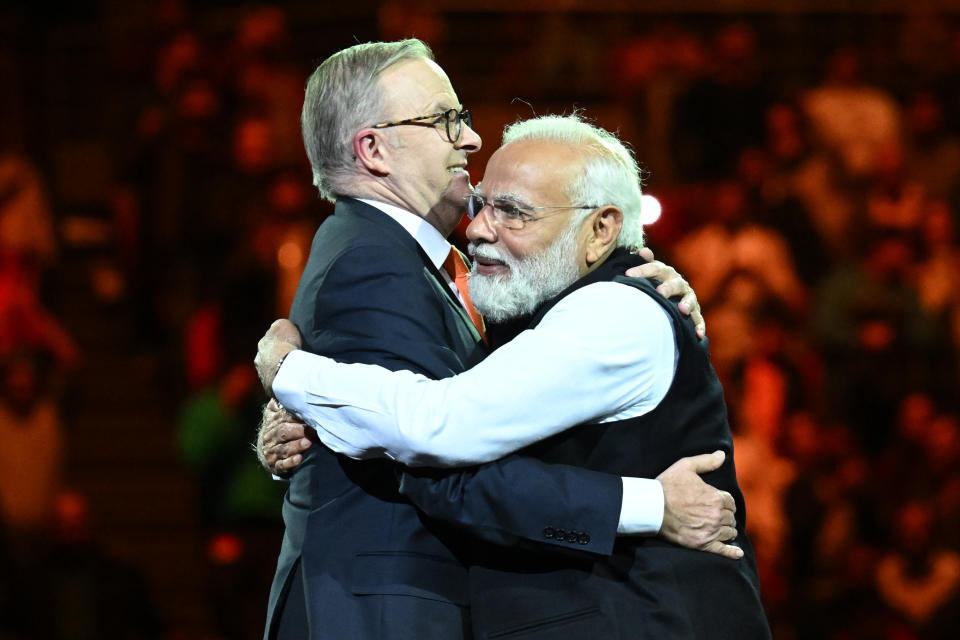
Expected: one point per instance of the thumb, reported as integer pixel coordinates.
(707, 461)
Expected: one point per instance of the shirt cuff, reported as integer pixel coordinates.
(289, 383)
(641, 512)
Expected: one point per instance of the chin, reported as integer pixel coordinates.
(457, 191)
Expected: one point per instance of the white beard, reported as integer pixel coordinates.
(529, 281)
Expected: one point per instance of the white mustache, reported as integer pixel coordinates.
(477, 250)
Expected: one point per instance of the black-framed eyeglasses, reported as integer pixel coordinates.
(510, 215)
(451, 118)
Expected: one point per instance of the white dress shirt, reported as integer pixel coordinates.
(604, 353)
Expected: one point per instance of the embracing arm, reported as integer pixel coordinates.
(522, 498)
(566, 505)
(578, 508)
(569, 370)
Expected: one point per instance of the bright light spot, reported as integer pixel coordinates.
(649, 209)
(290, 255)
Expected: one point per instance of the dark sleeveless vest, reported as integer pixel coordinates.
(647, 588)
(691, 419)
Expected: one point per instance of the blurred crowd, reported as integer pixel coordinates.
(818, 225)
(810, 193)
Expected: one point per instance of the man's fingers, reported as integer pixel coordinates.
(288, 464)
(689, 306)
(280, 427)
(725, 550)
(270, 434)
(646, 253)
(727, 518)
(289, 431)
(726, 533)
(707, 461)
(728, 502)
(649, 270)
(701, 328)
(290, 449)
(673, 285)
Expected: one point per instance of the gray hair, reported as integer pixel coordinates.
(342, 97)
(610, 174)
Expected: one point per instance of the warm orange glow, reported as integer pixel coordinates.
(290, 255)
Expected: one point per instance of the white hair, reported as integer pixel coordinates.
(610, 173)
(343, 96)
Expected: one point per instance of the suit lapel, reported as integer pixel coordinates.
(389, 226)
(451, 297)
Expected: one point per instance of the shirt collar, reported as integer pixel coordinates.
(430, 240)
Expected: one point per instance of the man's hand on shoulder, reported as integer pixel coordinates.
(281, 440)
(695, 514)
(280, 339)
(671, 284)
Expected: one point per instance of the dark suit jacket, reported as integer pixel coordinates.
(373, 565)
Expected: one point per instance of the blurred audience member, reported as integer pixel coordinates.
(938, 275)
(932, 156)
(919, 578)
(264, 77)
(874, 333)
(27, 240)
(893, 201)
(850, 117)
(649, 73)
(722, 113)
(35, 355)
(730, 242)
(737, 266)
(812, 178)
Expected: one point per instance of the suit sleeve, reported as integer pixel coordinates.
(520, 500)
(366, 313)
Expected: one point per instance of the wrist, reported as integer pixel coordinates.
(287, 349)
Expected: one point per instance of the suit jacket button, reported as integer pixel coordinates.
(548, 532)
(572, 536)
(560, 534)
(584, 538)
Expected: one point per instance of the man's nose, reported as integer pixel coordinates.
(482, 227)
(469, 140)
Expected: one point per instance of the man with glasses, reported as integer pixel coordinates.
(380, 287)
(555, 221)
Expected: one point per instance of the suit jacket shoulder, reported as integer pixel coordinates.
(369, 294)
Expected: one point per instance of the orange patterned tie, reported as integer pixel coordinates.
(457, 268)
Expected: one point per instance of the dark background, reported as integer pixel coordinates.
(156, 207)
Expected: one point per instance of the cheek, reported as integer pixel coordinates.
(520, 248)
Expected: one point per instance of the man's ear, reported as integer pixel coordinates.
(372, 151)
(604, 231)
